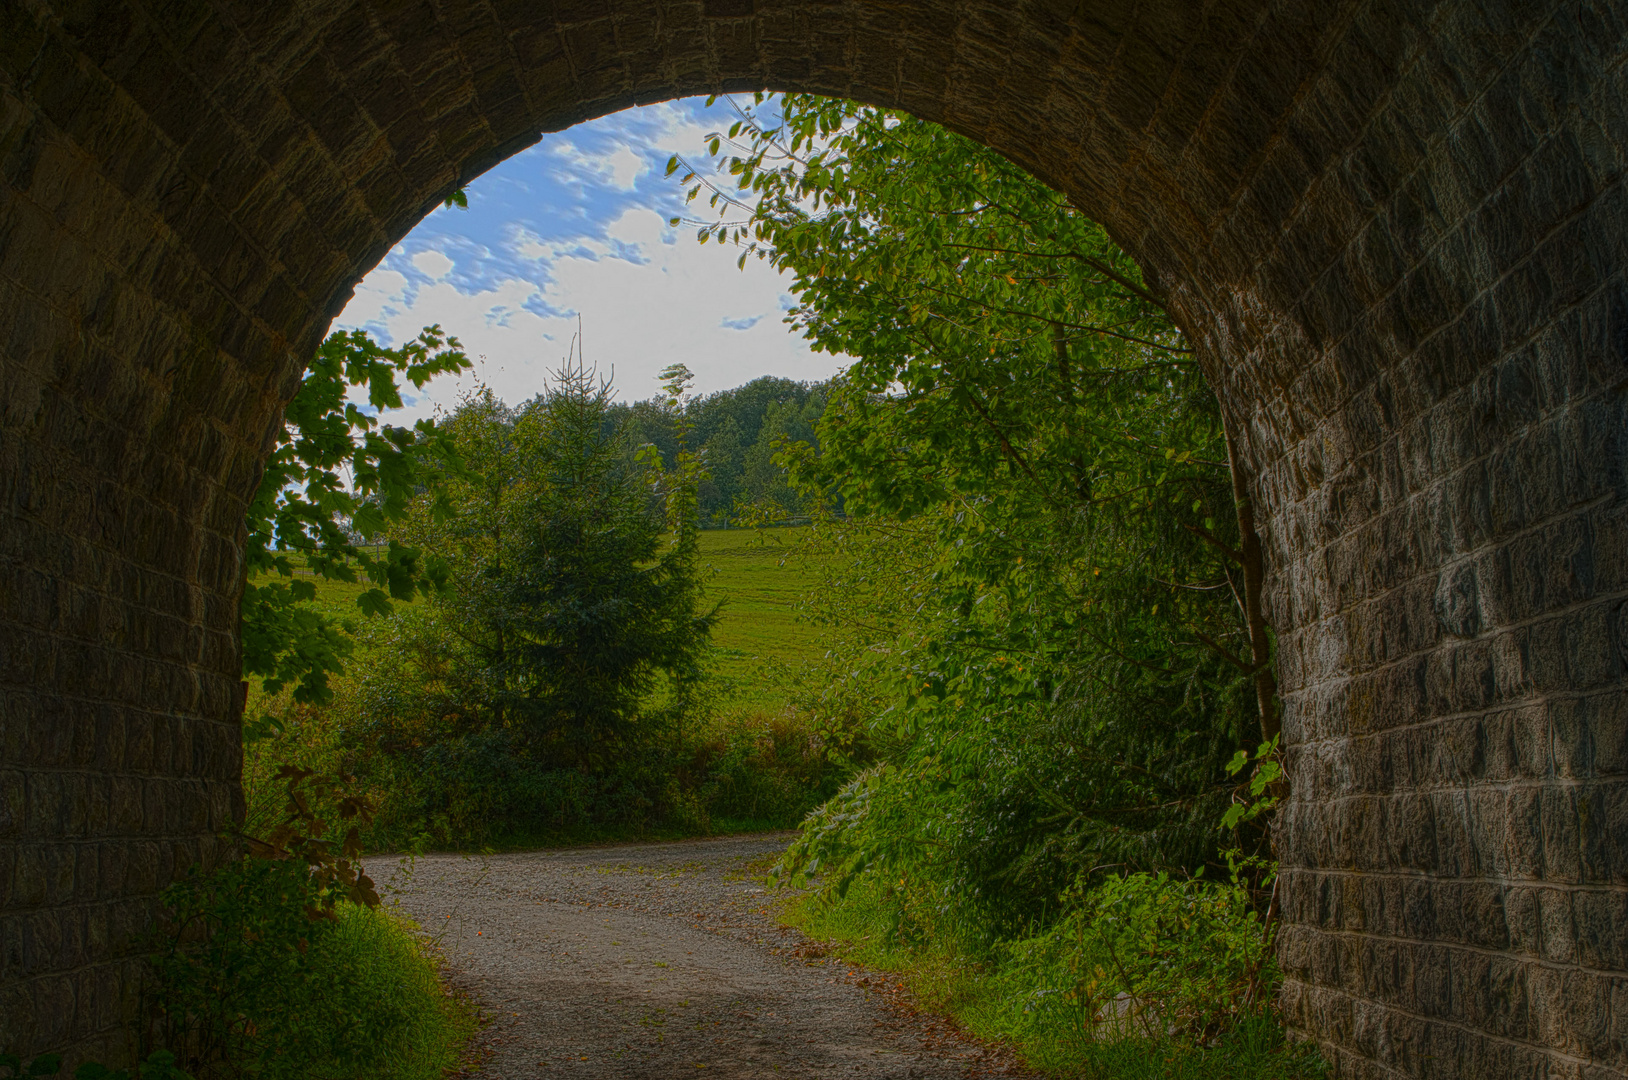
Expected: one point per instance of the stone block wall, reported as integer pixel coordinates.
(1394, 230)
(1450, 544)
(120, 519)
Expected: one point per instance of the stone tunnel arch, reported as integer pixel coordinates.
(1394, 230)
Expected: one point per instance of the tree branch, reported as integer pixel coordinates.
(1215, 541)
(1252, 560)
(1224, 653)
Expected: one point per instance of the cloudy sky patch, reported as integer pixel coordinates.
(577, 227)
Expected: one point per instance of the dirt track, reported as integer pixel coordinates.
(660, 961)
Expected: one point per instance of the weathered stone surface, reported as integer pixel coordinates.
(1395, 230)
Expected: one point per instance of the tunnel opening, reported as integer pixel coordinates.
(1393, 236)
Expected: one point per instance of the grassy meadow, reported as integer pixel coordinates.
(753, 573)
(758, 579)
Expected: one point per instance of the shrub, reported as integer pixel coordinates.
(757, 770)
(283, 966)
(248, 984)
(1144, 977)
(482, 789)
(1146, 955)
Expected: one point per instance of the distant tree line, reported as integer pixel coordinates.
(737, 432)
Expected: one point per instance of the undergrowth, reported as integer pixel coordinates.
(362, 1001)
(744, 756)
(286, 966)
(1060, 997)
(740, 772)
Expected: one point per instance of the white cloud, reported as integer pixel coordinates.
(620, 168)
(636, 318)
(577, 225)
(371, 303)
(625, 167)
(433, 264)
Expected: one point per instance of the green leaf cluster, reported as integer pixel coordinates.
(1031, 463)
(1147, 956)
(737, 433)
(336, 479)
(1264, 786)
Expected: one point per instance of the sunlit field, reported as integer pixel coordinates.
(753, 573)
(759, 583)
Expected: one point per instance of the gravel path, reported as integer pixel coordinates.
(660, 961)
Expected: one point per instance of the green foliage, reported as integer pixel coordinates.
(334, 868)
(1263, 795)
(485, 789)
(1055, 994)
(247, 984)
(283, 964)
(576, 587)
(751, 772)
(337, 478)
(1037, 478)
(160, 1065)
(241, 947)
(1146, 956)
(1037, 484)
(736, 434)
(1255, 1050)
(418, 1031)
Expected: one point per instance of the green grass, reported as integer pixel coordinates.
(750, 571)
(859, 929)
(396, 971)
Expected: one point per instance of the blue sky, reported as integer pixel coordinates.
(578, 225)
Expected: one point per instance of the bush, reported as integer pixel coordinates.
(1142, 977)
(1148, 956)
(758, 771)
(482, 789)
(247, 983)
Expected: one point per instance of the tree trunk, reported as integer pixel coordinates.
(1253, 563)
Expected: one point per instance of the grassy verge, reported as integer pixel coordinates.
(989, 999)
(397, 970)
(252, 975)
